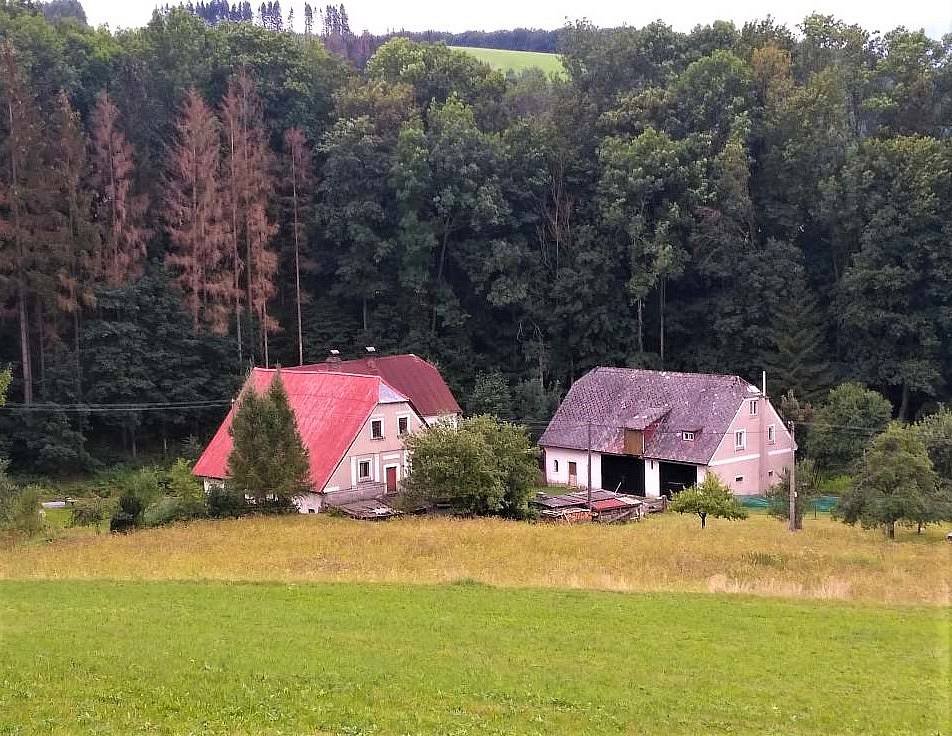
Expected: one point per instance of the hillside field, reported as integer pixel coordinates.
(516, 60)
(222, 658)
(666, 552)
(316, 625)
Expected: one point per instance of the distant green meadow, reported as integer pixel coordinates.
(216, 658)
(516, 60)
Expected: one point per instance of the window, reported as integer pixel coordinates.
(753, 407)
(740, 439)
(555, 466)
(738, 479)
(770, 474)
(403, 425)
(771, 433)
(376, 429)
(688, 436)
(363, 470)
(311, 511)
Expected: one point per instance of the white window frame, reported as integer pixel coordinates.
(753, 407)
(370, 471)
(383, 431)
(771, 434)
(738, 479)
(688, 436)
(740, 439)
(406, 418)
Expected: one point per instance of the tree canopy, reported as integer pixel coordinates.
(259, 189)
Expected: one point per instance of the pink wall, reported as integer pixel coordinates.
(380, 452)
(760, 462)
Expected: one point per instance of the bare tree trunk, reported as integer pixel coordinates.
(26, 362)
(904, 402)
(439, 272)
(661, 292)
(641, 325)
(297, 262)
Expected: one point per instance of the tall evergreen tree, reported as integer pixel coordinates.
(195, 216)
(298, 155)
(120, 210)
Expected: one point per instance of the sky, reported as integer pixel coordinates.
(379, 16)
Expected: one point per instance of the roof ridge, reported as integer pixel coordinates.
(676, 373)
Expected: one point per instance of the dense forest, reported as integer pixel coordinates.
(181, 201)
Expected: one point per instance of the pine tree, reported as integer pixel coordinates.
(299, 169)
(195, 217)
(308, 19)
(120, 210)
(248, 185)
(80, 235)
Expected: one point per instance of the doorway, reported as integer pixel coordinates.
(390, 473)
(573, 474)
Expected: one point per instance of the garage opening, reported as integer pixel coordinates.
(675, 477)
(624, 474)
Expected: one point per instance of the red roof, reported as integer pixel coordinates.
(330, 409)
(409, 374)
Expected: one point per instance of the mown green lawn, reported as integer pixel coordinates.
(516, 61)
(215, 658)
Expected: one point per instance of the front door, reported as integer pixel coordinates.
(391, 479)
(573, 474)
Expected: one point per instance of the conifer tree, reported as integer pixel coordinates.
(75, 288)
(248, 185)
(268, 462)
(28, 222)
(195, 217)
(120, 210)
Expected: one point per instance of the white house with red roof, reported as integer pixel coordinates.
(656, 432)
(353, 426)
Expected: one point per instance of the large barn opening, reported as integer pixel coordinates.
(624, 474)
(675, 477)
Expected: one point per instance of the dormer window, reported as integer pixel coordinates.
(687, 436)
(753, 407)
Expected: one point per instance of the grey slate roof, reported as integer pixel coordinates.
(664, 402)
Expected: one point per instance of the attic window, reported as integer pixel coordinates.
(403, 425)
(771, 434)
(753, 407)
(376, 429)
(687, 436)
(740, 439)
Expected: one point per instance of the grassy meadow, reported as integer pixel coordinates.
(516, 61)
(101, 657)
(667, 552)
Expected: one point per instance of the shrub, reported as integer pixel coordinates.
(128, 515)
(90, 512)
(187, 490)
(225, 502)
(25, 514)
(483, 467)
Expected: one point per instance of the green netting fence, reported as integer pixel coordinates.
(822, 504)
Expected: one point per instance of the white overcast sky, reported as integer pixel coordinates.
(378, 16)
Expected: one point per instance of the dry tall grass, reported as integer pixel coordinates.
(663, 553)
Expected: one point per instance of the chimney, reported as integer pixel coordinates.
(334, 358)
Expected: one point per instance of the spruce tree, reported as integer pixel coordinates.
(268, 462)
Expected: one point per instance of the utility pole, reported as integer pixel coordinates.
(793, 478)
(589, 466)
